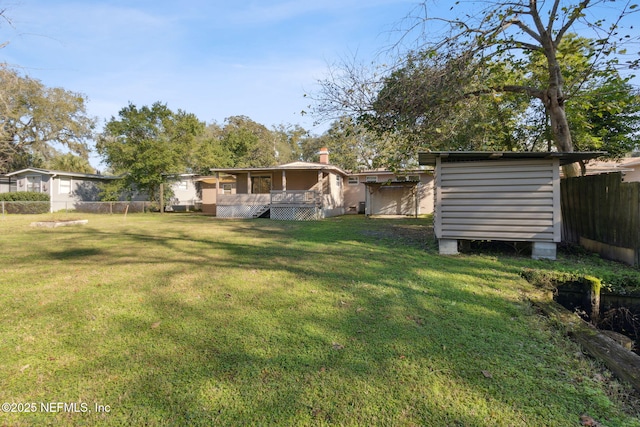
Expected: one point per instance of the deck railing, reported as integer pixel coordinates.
(243, 199)
(291, 198)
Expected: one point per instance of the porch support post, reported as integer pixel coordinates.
(284, 180)
(248, 182)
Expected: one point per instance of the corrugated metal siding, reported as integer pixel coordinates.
(498, 200)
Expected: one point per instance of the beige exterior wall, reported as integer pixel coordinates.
(632, 173)
(209, 196)
(392, 200)
(354, 194)
(333, 199)
(515, 200)
(301, 180)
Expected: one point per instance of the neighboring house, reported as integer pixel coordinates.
(293, 191)
(65, 189)
(381, 192)
(629, 166)
(186, 193)
(5, 183)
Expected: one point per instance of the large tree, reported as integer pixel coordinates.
(486, 33)
(68, 162)
(427, 102)
(35, 120)
(148, 144)
(351, 145)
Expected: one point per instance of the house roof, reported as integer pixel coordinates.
(212, 180)
(392, 184)
(61, 173)
(429, 157)
(287, 166)
(396, 173)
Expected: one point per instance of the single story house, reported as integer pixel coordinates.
(293, 191)
(65, 189)
(186, 192)
(629, 166)
(504, 196)
(382, 192)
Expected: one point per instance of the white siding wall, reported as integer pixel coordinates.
(516, 200)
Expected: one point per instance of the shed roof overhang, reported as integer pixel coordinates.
(392, 184)
(429, 157)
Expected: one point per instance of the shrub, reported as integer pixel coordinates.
(24, 196)
(24, 202)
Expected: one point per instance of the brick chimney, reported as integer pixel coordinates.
(324, 155)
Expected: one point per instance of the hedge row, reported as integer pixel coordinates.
(24, 196)
(28, 207)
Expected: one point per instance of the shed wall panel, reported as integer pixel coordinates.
(498, 200)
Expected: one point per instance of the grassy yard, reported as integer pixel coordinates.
(189, 320)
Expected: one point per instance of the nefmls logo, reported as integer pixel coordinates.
(73, 407)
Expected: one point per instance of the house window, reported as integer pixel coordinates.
(182, 185)
(226, 188)
(34, 183)
(353, 180)
(260, 184)
(371, 178)
(338, 181)
(64, 186)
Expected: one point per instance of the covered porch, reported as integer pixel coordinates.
(295, 191)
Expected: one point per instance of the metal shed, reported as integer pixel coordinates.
(505, 196)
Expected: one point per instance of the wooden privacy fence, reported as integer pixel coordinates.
(602, 213)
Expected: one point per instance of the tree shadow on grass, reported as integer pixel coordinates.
(328, 322)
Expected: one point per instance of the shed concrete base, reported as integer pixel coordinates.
(543, 250)
(448, 246)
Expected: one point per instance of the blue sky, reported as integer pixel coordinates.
(215, 59)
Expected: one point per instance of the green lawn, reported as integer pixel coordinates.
(191, 320)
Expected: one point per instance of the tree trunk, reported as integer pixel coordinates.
(554, 103)
(560, 131)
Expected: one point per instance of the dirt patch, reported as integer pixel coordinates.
(414, 235)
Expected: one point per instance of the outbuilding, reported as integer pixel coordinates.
(503, 196)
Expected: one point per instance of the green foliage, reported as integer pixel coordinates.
(147, 144)
(25, 202)
(70, 162)
(35, 117)
(247, 143)
(602, 110)
(351, 145)
(25, 196)
(509, 53)
(459, 103)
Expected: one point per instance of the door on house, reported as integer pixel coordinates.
(260, 184)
